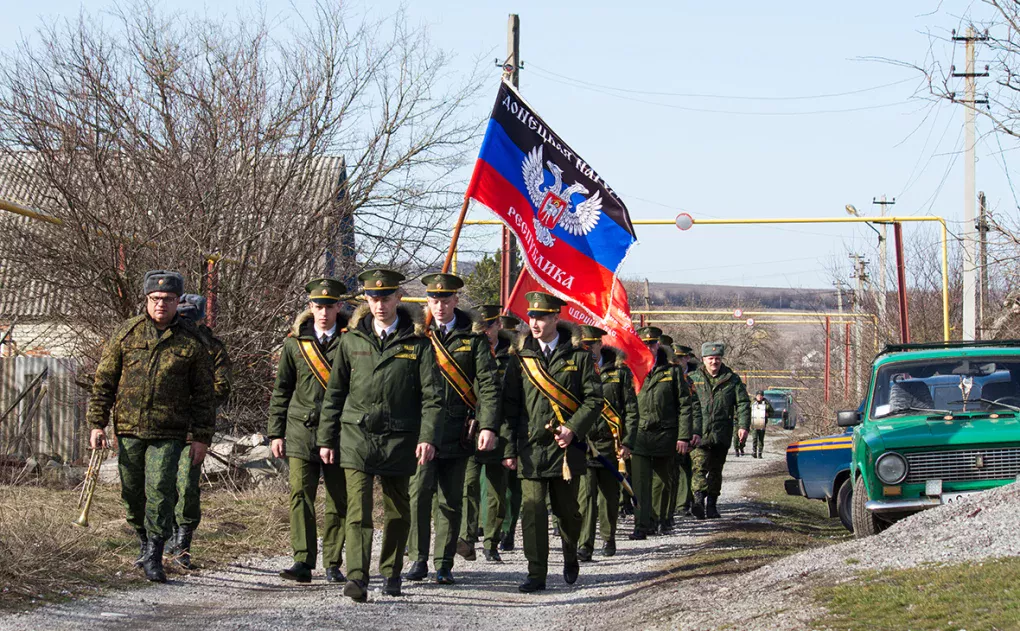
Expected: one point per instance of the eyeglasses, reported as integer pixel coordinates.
(167, 300)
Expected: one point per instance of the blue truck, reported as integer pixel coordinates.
(820, 468)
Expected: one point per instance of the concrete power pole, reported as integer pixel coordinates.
(861, 274)
(969, 194)
(508, 251)
(982, 228)
(883, 261)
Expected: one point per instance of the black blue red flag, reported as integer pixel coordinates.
(574, 231)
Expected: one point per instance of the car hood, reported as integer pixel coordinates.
(921, 433)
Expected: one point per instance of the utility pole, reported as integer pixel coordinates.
(969, 255)
(882, 257)
(861, 274)
(511, 70)
(982, 229)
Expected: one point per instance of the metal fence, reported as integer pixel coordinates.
(49, 418)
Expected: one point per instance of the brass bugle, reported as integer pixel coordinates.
(88, 488)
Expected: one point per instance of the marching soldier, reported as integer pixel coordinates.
(472, 413)
(155, 378)
(724, 404)
(619, 417)
(684, 495)
(189, 513)
(761, 410)
(667, 426)
(384, 404)
(553, 397)
(509, 324)
(487, 463)
(294, 415)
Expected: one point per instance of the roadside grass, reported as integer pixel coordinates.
(979, 595)
(44, 558)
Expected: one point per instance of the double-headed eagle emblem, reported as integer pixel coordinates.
(554, 204)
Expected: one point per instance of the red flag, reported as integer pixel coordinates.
(617, 323)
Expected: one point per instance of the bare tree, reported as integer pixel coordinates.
(169, 141)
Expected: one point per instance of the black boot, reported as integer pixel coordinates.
(492, 555)
(152, 562)
(182, 547)
(637, 535)
(687, 509)
(299, 572)
(419, 570)
(466, 549)
(507, 543)
(698, 508)
(142, 540)
(584, 554)
(609, 548)
(711, 511)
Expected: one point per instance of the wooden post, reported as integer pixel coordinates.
(901, 278)
(828, 350)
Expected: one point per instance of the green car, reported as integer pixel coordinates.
(939, 421)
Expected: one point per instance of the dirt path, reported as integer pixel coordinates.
(249, 595)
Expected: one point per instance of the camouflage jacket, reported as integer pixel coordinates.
(155, 384)
(222, 370)
(724, 405)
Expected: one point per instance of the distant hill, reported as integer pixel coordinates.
(695, 295)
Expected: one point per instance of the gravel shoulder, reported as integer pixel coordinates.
(633, 587)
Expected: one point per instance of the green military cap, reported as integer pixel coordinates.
(325, 291)
(665, 340)
(441, 285)
(541, 303)
(713, 349)
(379, 282)
(509, 322)
(489, 313)
(650, 334)
(591, 333)
(681, 350)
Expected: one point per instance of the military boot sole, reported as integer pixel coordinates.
(356, 591)
(466, 550)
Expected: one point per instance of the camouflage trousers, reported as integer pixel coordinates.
(148, 474)
(188, 510)
(707, 464)
(759, 441)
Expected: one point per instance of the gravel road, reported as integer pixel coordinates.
(249, 595)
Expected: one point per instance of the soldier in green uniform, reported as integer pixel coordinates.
(384, 403)
(487, 463)
(667, 426)
(684, 495)
(509, 324)
(608, 440)
(155, 378)
(294, 416)
(553, 396)
(472, 413)
(188, 514)
(724, 403)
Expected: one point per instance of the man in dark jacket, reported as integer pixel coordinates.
(686, 362)
(155, 380)
(384, 403)
(487, 464)
(553, 396)
(472, 413)
(620, 413)
(667, 410)
(188, 514)
(724, 404)
(509, 325)
(294, 415)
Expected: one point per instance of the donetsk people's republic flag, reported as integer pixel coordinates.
(574, 231)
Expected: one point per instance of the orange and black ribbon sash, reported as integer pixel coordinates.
(612, 418)
(454, 374)
(316, 361)
(541, 379)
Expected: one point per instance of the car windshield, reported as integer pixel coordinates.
(947, 386)
(778, 401)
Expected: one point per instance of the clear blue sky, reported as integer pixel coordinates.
(751, 152)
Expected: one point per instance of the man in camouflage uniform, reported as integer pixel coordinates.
(509, 324)
(724, 404)
(294, 415)
(189, 512)
(608, 441)
(668, 414)
(552, 397)
(384, 403)
(472, 413)
(155, 378)
(487, 463)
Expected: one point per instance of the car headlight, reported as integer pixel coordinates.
(891, 468)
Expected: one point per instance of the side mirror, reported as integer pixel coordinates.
(848, 418)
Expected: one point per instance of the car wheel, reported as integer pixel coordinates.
(865, 523)
(844, 504)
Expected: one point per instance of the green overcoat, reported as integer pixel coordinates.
(294, 409)
(667, 408)
(501, 359)
(618, 391)
(383, 398)
(528, 411)
(724, 405)
(154, 384)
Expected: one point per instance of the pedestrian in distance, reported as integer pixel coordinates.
(761, 410)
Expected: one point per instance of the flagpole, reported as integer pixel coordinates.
(513, 292)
